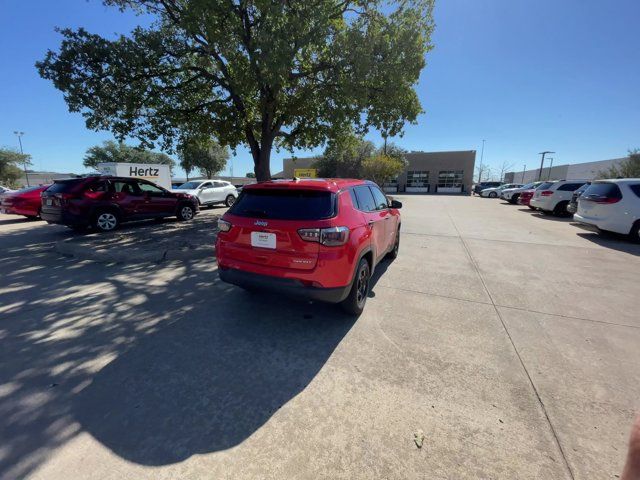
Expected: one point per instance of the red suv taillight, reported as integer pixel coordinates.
(223, 225)
(331, 237)
(546, 193)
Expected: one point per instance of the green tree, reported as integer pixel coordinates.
(208, 156)
(628, 168)
(118, 152)
(392, 150)
(12, 164)
(343, 156)
(251, 175)
(253, 72)
(381, 168)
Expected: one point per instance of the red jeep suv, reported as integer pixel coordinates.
(319, 238)
(105, 201)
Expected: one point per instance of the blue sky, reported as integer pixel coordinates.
(525, 75)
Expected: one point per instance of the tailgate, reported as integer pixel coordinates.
(274, 243)
(51, 202)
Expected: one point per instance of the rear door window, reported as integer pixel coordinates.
(100, 186)
(366, 202)
(544, 185)
(292, 204)
(128, 188)
(635, 189)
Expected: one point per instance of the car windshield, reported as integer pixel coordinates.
(189, 186)
(528, 185)
(285, 204)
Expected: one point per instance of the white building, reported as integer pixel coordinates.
(574, 171)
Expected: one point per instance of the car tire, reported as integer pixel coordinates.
(634, 234)
(560, 210)
(493, 195)
(357, 298)
(532, 208)
(393, 254)
(514, 198)
(106, 220)
(230, 200)
(186, 212)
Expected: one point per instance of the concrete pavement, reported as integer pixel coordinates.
(509, 341)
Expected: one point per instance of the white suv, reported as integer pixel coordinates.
(210, 192)
(553, 197)
(612, 205)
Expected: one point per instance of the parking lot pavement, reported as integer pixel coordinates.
(508, 340)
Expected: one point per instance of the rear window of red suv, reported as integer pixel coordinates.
(281, 204)
(64, 186)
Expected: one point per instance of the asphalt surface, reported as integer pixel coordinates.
(503, 342)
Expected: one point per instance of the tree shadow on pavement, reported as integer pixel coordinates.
(156, 362)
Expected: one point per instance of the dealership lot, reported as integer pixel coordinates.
(505, 339)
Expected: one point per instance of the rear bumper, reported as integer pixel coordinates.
(602, 224)
(287, 286)
(63, 217)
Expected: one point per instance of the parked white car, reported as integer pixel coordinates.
(553, 197)
(496, 191)
(512, 194)
(612, 205)
(210, 192)
(4, 189)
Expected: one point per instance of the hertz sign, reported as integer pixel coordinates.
(305, 173)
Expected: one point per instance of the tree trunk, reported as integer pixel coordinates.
(262, 159)
(261, 165)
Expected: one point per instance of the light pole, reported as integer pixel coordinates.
(481, 158)
(524, 167)
(542, 163)
(550, 167)
(19, 135)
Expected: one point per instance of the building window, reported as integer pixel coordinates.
(450, 179)
(393, 182)
(417, 178)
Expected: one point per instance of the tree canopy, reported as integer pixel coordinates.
(381, 168)
(208, 156)
(11, 164)
(260, 73)
(628, 168)
(118, 152)
(343, 156)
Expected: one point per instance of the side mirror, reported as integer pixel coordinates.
(396, 204)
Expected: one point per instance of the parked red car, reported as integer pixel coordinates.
(319, 238)
(105, 201)
(525, 197)
(24, 202)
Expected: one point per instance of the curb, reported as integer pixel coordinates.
(123, 255)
